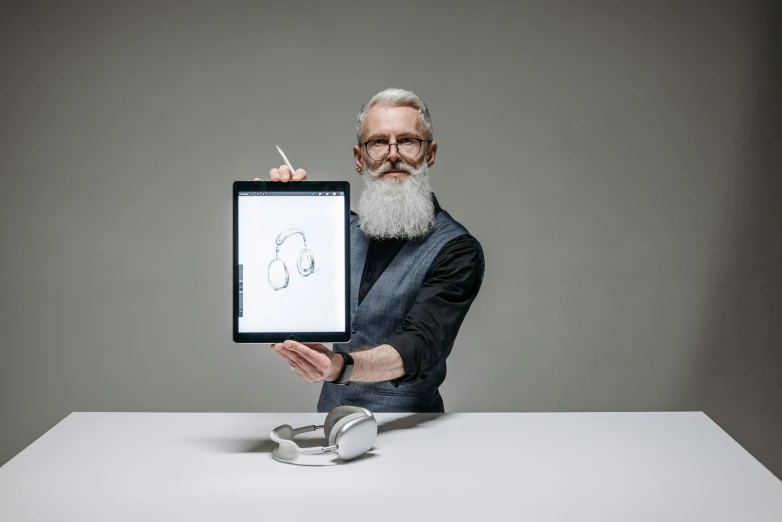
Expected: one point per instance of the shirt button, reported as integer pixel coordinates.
(354, 328)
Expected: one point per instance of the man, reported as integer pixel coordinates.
(415, 271)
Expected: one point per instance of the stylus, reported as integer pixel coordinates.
(288, 163)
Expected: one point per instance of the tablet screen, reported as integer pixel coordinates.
(291, 257)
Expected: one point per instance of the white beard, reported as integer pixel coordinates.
(396, 207)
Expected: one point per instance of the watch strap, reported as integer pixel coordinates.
(347, 370)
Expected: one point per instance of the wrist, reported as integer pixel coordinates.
(337, 363)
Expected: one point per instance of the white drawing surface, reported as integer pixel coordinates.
(292, 251)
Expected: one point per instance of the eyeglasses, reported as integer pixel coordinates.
(406, 147)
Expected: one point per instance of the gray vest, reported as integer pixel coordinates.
(380, 316)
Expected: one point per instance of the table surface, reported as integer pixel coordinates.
(454, 466)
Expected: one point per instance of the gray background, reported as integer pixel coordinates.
(618, 161)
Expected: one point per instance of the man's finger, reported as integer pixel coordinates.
(274, 175)
(285, 173)
(306, 364)
(299, 175)
(303, 363)
(297, 361)
(317, 347)
(301, 375)
(319, 360)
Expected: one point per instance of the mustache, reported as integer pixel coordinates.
(392, 165)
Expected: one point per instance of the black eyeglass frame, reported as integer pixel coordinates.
(420, 141)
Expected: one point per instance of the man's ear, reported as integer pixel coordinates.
(357, 156)
(431, 153)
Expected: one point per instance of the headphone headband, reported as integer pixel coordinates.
(288, 233)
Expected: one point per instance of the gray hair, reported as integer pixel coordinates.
(393, 97)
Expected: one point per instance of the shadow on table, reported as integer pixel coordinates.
(265, 445)
(407, 422)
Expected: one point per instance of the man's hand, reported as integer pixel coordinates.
(284, 174)
(312, 362)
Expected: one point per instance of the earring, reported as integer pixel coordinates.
(358, 169)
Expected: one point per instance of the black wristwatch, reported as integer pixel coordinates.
(347, 370)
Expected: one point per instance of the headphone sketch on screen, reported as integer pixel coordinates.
(278, 272)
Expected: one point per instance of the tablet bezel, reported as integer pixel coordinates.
(291, 186)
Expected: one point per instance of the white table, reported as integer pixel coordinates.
(458, 466)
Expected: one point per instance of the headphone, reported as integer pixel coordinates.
(277, 273)
(349, 430)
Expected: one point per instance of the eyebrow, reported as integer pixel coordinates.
(385, 137)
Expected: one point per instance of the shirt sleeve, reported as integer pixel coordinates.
(450, 286)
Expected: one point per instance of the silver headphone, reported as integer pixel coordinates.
(277, 274)
(350, 432)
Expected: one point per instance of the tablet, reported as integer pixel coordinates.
(291, 272)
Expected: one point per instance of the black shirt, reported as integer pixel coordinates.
(449, 288)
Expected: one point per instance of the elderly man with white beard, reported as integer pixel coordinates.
(415, 271)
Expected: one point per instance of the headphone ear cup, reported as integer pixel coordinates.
(286, 449)
(284, 432)
(354, 435)
(278, 274)
(336, 414)
(339, 424)
(306, 262)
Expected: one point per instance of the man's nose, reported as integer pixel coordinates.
(393, 152)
